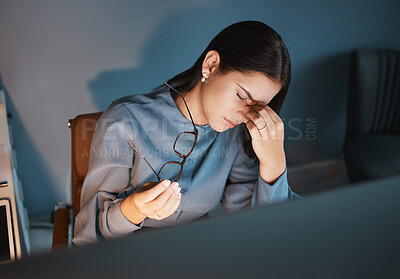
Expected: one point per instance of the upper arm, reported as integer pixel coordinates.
(111, 157)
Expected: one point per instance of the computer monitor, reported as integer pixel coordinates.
(7, 252)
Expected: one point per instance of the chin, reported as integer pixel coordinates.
(222, 130)
(219, 127)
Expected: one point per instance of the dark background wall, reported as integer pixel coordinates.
(62, 58)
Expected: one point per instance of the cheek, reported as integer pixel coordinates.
(225, 106)
(226, 101)
(218, 103)
(212, 101)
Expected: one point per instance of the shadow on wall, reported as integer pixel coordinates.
(165, 55)
(315, 110)
(35, 167)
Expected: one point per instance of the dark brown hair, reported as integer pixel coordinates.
(244, 46)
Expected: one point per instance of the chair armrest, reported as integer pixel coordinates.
(340, 164)
(60, 229)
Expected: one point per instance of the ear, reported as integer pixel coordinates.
(211, 62)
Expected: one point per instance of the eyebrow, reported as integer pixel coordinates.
(247, 92)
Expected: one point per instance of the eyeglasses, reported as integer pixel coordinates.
(183, 146)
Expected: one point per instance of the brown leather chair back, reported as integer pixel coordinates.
(82, 128)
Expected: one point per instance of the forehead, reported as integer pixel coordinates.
(261, 87)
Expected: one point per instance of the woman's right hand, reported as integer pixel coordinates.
(153, 200)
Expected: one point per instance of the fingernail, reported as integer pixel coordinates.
(166, 183)
(178, 190)
(174, 185)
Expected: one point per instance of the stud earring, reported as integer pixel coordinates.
(204, 77)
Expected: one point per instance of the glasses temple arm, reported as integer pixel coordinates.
(144, 158)
(180, 94)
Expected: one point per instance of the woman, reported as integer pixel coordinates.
(209, 135)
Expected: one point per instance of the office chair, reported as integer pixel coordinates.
(82, 128)
(372, 142)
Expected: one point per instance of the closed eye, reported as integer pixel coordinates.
(240, 97)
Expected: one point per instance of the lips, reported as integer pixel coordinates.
(229, 123)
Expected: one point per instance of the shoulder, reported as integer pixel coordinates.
(138, 99)
(133, 103)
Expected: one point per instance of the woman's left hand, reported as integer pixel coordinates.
(267, 134)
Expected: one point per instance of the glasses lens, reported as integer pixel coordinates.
(170, 171)
(184, 143)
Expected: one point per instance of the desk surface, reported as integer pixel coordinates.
(347, 233)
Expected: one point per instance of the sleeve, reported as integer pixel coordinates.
(246, 189)
(107, 182)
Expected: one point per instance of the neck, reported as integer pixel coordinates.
(193, 101)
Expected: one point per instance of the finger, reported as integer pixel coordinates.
(257, 119)
(154, 192)
(177, 203)
(168, 206)
(274, 116)
(155, 215)
(160, 201)
(253, 130)
(279, 125)
(265, 112)
(146, 186)
(277, 129)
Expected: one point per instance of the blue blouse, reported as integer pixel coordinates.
(216, 172)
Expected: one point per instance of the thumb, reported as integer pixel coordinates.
(154, 192)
